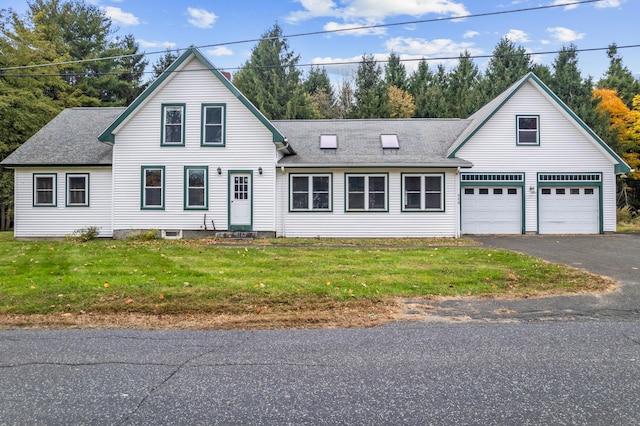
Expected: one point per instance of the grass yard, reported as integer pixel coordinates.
(269, 283)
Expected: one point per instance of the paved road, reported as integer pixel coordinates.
(613, 255)
(578, 373)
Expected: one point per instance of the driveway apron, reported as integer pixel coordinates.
(612, 255)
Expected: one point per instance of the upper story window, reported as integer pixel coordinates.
(77, 189)
(44, 190)
(173, 124)
(152, 196)
(528, 129)
(213, 125)
(366, 192)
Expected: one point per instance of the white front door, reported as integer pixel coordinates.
(240, 199)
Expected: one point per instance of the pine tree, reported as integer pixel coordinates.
(619, 78)
(462, 88)
(395, 72)
(371, 98)
(270, 79)
(507, 65)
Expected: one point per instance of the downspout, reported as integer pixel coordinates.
(458, 201)
(284, 205)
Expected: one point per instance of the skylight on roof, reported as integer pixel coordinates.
(328, 141)
(389, 141)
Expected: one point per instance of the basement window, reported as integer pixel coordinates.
(389, 141)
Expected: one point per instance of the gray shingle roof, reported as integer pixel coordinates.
(423, 142)
(71, 138)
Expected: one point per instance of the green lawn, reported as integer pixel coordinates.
(207, 276)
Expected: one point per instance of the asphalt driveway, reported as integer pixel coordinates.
(613, 255)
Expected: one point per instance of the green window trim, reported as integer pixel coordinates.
(77, 189)
(152, 189)
(425, 195)
(193, 186)
(312, 195)
(45, 190)
(363, 191)
(528, 130)
(213, 131)
(171, 128)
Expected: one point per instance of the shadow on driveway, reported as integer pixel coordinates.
(613, 255)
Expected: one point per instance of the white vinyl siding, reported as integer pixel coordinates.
(391, 223)
(565, 147)
(248, 146)
(61, 220)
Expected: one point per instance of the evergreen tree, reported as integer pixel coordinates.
(371, 98)
(395, 73)
(543, 73)
(418, 85)
(319, 88)
(271, 80)
(462, 88)
(619, 78)
(506, 66)
(163, 62)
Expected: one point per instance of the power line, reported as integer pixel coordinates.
(432, 59)
(340, 30)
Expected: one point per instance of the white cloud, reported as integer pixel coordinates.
(561, 2)
(150, 44)
(357, 31)
(121, 17)
(564, 35)
(201, 18)
(470, 34)
(517, 36)
(608, 3)
(429, 48)
(220, 51)
(374, 10)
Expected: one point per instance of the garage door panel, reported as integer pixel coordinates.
(491, 210)
(569, 210)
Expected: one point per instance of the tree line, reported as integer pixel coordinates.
(62, 32)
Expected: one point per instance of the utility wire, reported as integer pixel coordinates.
(359, 28)
(431, 59)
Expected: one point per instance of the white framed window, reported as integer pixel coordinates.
(45, 189)
(173, 124)
(77, 189)
(422, 192)
(366, 192)
(310, 192)
(213, 125)
(528, 129)
(195, 187)
(152, 196)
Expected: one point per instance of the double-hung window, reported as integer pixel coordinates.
(195, 183)
(366, 192)
(310, 192)
(173, 124)
(77, 189)
(44, 190)
(213, 125)
(152, 188)
(528, 129)
(422, 192)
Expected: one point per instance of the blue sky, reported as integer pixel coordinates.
(165, 24)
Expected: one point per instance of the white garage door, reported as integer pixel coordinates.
(569, 210)
(491, 210)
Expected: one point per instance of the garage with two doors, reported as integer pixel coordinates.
(494, 203)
